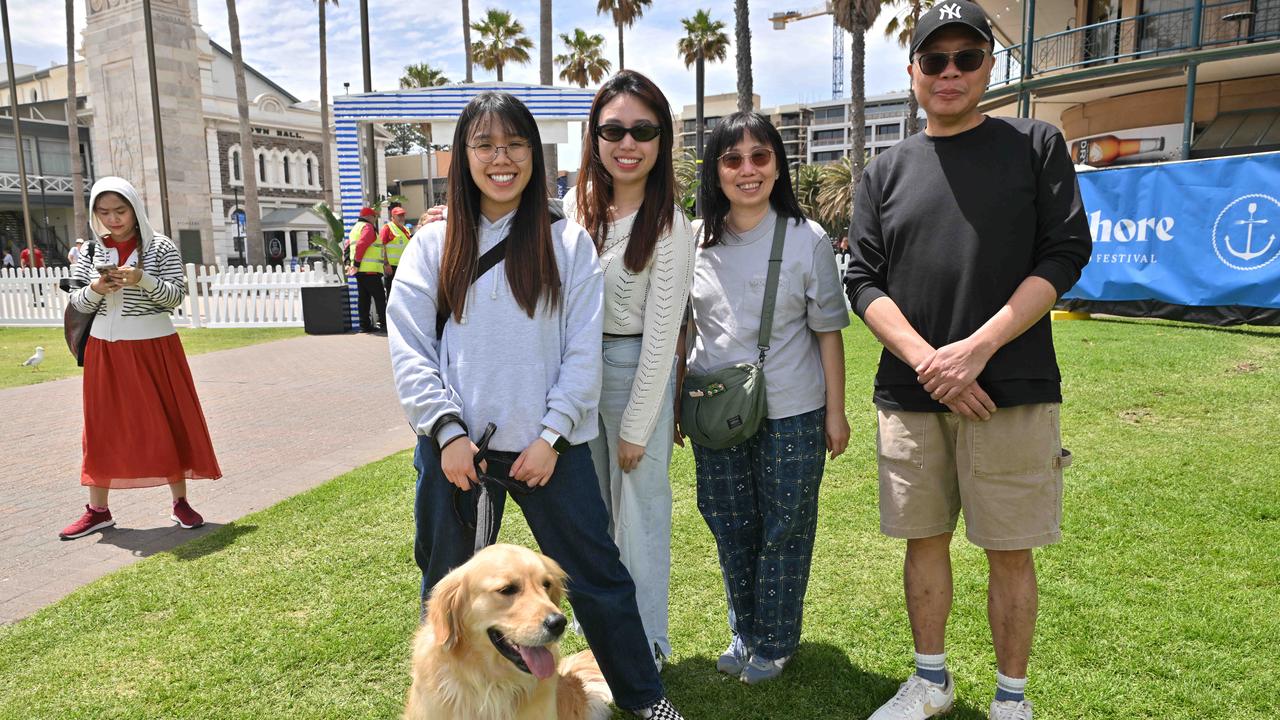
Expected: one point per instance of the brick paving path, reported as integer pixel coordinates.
(282, 422)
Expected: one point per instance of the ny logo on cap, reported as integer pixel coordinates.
(949, 12)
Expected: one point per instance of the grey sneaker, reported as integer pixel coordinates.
(661, 710)
(734, 657)
(758, 669)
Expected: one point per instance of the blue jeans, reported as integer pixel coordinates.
(760, 500)
(570, 523)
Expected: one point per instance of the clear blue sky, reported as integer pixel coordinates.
(280, 39)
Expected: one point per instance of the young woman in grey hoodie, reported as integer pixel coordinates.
(519, 348)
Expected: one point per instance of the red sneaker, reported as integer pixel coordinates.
(90, 521)
(185, 516)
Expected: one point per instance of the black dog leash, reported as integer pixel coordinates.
(485, 510)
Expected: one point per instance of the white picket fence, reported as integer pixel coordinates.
(217, 297)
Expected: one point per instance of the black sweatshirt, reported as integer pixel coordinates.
(948, 227)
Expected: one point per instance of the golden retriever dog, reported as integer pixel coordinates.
(490, 650)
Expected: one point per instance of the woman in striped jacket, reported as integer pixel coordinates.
(143, 425)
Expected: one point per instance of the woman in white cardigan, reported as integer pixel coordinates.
(626, 200)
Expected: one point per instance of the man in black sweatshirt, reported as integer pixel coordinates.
(963, 238)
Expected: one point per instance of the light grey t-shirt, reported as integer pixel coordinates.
(728, 294)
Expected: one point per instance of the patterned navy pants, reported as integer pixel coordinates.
(760, 500)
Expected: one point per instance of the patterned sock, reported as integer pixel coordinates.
(97, 509)
(1008, 688)
(932, 668)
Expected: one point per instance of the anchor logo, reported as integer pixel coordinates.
(949, 12)
(1231, 220)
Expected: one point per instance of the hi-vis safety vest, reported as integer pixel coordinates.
(372, 261)
(399, 241)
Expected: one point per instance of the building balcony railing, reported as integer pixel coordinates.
(1235, 22)
(53, 184)
(822, 142)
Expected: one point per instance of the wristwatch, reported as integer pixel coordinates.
(555, 440)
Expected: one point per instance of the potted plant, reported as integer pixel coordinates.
(325, 308)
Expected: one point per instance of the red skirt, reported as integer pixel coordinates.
(143, 425)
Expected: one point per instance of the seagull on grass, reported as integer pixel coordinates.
(34, 361)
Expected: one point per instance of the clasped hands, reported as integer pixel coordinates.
(950, 375)
(533, 467)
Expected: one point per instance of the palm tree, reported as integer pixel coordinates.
(466, 36)
(900, 28)
(73, 128)
(584, 64)
(742, 38)
(835, 196)
(326, 147)
(547, 76)
(686, 172)
(252, 219)
(704, 40)
(422, 75)
(857, 17)
(625, 13)
(502, 41)
(807, 182)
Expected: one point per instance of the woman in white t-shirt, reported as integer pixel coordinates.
(626, 199)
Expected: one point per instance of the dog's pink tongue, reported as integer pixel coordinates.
(539, 660)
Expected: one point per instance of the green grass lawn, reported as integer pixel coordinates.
(1161, 602)
(18, 343)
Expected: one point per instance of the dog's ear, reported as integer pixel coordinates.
(445, 609)
(558, 578)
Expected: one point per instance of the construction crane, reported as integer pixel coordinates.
(780, 21)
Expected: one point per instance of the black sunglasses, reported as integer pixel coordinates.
(933, 63)
(641, 133)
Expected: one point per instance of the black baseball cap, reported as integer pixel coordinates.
(946, 14)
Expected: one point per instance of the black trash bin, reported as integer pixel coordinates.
(325, 310)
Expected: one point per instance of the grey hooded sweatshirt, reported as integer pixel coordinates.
(140, 312)
(499, 365)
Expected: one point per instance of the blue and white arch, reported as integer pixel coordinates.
(552, 107)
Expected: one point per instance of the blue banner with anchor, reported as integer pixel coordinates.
(1202, 232)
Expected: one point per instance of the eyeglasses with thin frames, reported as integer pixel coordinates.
(968, 60)
(760, 157)
(488, 152)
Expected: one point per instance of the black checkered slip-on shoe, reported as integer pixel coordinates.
(661, 710)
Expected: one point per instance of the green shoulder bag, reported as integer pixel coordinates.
(724, 408)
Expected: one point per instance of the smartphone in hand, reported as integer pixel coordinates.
(104, 268)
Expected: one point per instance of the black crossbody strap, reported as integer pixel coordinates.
(492, 257)
(771, 286)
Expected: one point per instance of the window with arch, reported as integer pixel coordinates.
(287, 177)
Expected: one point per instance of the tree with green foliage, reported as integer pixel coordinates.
(584, 64)
(900, 28)
(624, 13)
(502, 41)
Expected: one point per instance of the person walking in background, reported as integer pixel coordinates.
(24, 258)
(143, 425)
(760, 497)
(73, 253)
(8, 259)
(626, 200)
(515, 344)
(367, 260)
(394, 237)
(964, 236)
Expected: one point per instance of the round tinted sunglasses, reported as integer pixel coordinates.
(641, 133)
(933, 63)
(760, 157)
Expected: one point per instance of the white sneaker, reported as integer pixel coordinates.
(1010, 710)
(918, 699)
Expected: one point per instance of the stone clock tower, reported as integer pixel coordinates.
(119, 95)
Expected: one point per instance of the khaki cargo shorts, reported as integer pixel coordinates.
(1004, 473)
